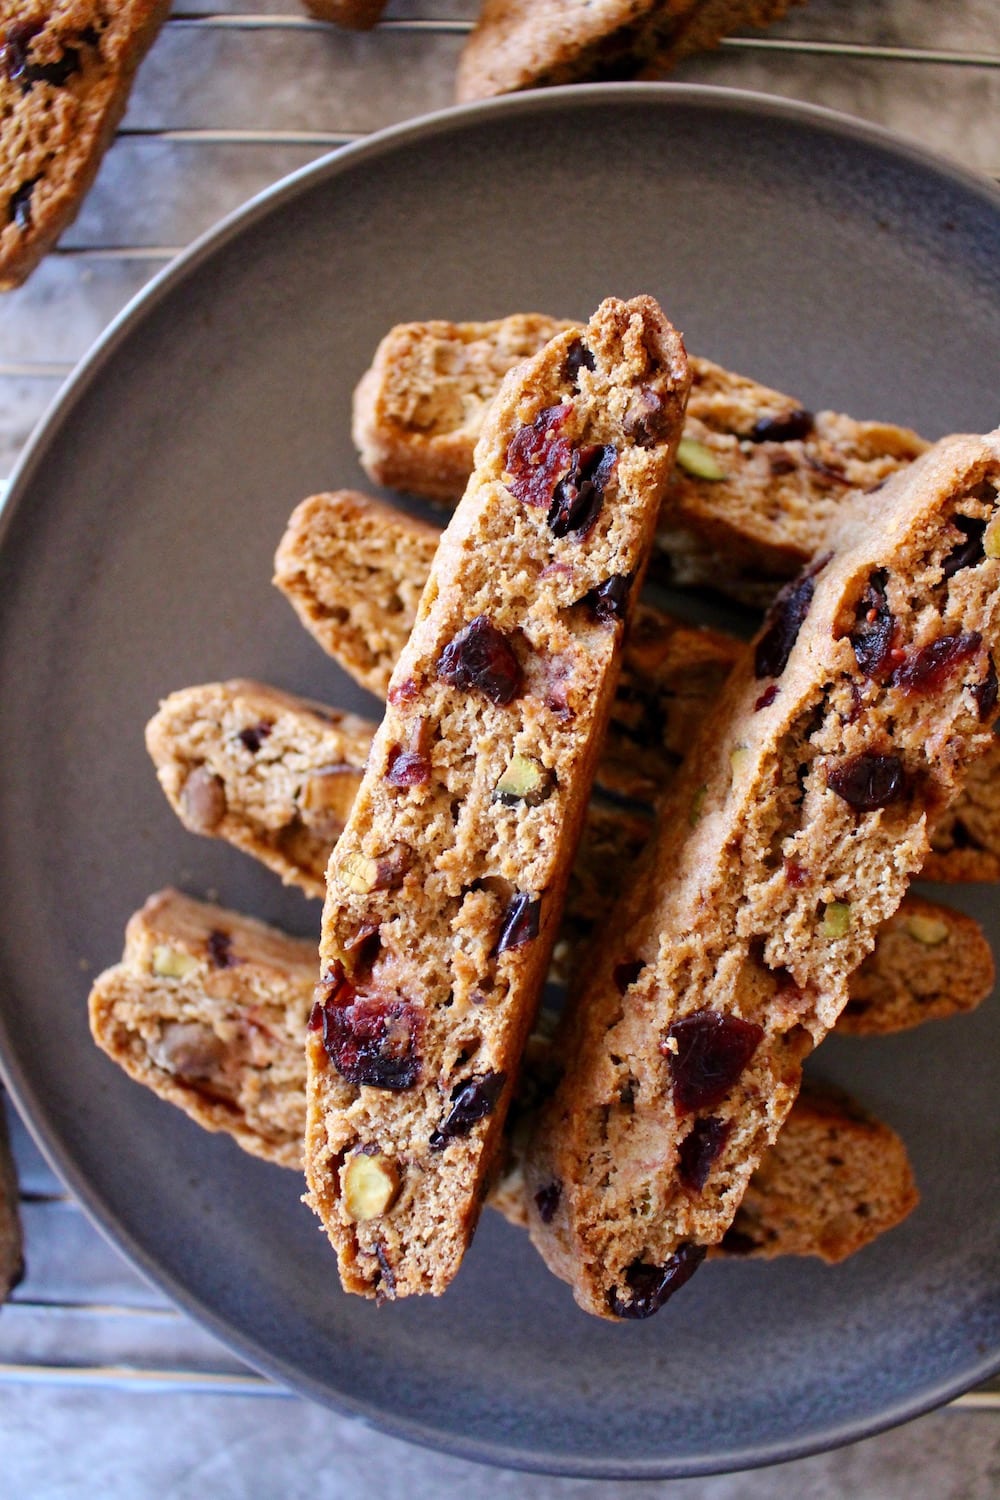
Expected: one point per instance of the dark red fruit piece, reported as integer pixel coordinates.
(874, 626)
(579, 495)
(924, 669)
(370, 1040)
(472, 1101)
(254, 737)
(700, 1149)
(651, 1286)
(766, 698)
(969, 550)
(784, 621)
(798, 423)
(795, 874)
(481, 656)
(578, 357)
(609, 600)
(19, 208)
(536, 457)
(403, 692)
(407, 767)
(520, 922)
(712, 1051)
(867, 781)
(220, 948)
(625, 974)
(547, 1201)
(985, 692)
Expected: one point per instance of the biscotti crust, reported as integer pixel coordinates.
(208, 1009)
(446, 888)
(768, 883)
(67, 68)
(357, 15)
(271, 773)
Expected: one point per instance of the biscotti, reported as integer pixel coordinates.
(209, 1008)
(706, 24)
(289, 809)
(351, 566)
(446, 888)
(758, 477)
(799, 818)
(273, 774)
(11, 1232)
(359, 15)
(66, 68)
(230, 1053)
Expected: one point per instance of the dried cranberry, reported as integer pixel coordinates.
(867, 781)
(927, 668)
(220, 948)
(19, 208)
(874, 626)
(579, 495)
(711, 1052)
(14, 58)
(370, 1040)
(626, 974)
(481, 656)
(472, 1102)
(520, 922)
(985, 692)
(547, 1201)
(610, 599)
(700, 1149)
(797, 423)
(784, 621)
(254, 737)
(407, 767)
(969, 550)
(403, 692)
(766, 698)
(537, 457)
(578, 357)
(795, 874)
(651, 1286)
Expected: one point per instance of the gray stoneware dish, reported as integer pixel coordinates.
(820, 255)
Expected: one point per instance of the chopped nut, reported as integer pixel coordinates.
(927, 930)
(837, 919)
(370, 1186)
(695, 459)
(524, 780)
(739, 759)
(991, 537)
(697, 803)
(362, 873)
(172, 963)
(188, 1050)
(203, 800)
(326, 798)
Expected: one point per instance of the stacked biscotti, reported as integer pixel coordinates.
(794, 829)
(66, 69)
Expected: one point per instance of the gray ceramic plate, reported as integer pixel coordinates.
(817, 254)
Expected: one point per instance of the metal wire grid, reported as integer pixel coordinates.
(52, 1217)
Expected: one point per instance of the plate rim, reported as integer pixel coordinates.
(345, 160)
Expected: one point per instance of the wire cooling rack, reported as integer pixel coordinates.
(230, 99)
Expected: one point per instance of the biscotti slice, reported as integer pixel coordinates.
(446, 888)
(758, 477)
(11, 1232)
(358, 15)
(66, 68)
(834, 1180)
(706, 24)
(209, 1008)
(799, 818)
(419, 410)
(273, 774)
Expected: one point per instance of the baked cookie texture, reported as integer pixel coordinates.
(11, 1232)
(446, 888)
(274, 774)
(208, 1009)
(758, 477)
(793, 830)
(66, 69)
(230, 1053)
(344, 556)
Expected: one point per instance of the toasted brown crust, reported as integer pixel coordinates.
(358, 15)
(768, 883)
(11, 1232)
(466, 861)
(66, 69)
